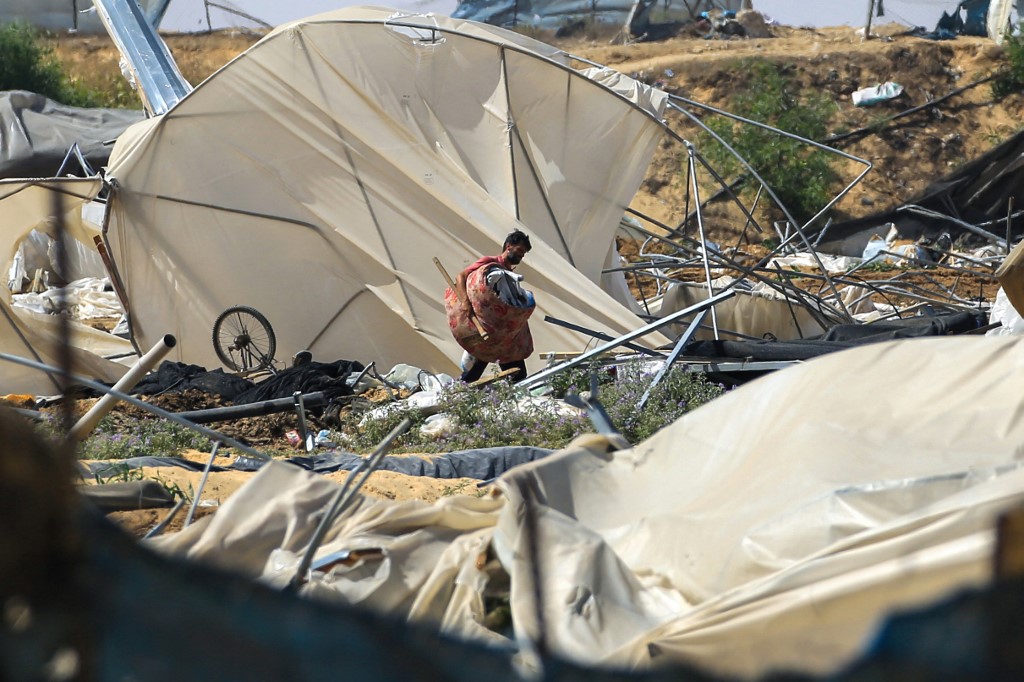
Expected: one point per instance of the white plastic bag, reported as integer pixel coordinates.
(865, 97)
(1004, 312)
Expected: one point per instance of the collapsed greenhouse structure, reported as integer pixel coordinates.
(311, 181)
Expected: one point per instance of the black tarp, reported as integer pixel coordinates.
(481, 464)
(838, 338)
(977, 192)
(327, 377)
(38, 132)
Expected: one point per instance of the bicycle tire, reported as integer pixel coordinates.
(244, 331)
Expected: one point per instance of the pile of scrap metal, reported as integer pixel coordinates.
(638, 16)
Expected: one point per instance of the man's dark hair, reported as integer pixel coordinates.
(517, 237)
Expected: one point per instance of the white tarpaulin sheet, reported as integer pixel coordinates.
(756, 312)
(27, 205)
(773, 528)
(315, 177)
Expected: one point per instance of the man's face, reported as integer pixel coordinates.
(514, 253)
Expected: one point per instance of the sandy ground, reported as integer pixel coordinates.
(220, 485)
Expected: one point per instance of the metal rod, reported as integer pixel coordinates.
(700, 231)
(300, 410)
(148, 407)
(747, 222)
(258, 409)
(359, 377)
(871, 13)
(202, 483)
(159, 528)
(676, 351)
(1009, 223)
(90, 419)
(602, 336)
(914, 208)
(647, 329)
(342, 498)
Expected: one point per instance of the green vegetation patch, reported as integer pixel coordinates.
(501, 414)
(26, 64)
(802, 176)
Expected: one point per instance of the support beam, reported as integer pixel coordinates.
(622, 340)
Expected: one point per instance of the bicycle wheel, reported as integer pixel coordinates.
(243, 339)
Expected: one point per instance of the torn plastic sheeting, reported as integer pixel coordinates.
(86, 298)
(866, 97)
(1003, 311)
(834, 265)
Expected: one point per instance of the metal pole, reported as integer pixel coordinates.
(653, 326)
(159, 528)
(202, 482)
(258, 409)
(90, 419)
(700, 232)
(974, 229)
(680, 344)
(1009, 224)
(300, 410)
(602, 336)
(871, 13)
(341, 499)
(142, 404)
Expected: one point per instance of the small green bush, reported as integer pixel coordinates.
(25, 64)
(801, 176)
(1011, 78)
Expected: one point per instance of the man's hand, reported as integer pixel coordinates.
(467, 307)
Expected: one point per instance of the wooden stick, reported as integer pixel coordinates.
(494, 377)
(451, 284)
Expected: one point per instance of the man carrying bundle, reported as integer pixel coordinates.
(489, 290)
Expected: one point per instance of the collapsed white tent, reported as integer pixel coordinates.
(771, 529)
(27, 205)
(316, 175)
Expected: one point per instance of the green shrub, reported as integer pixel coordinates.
(1011, 78)
(620, 391)
(25, 64)
(149, 437)
(501, 414)
(801, 176)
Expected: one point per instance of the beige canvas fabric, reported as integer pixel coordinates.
(1011, 276)
(772, 529)
(27, 205)
(754, 313)
(316, 175)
